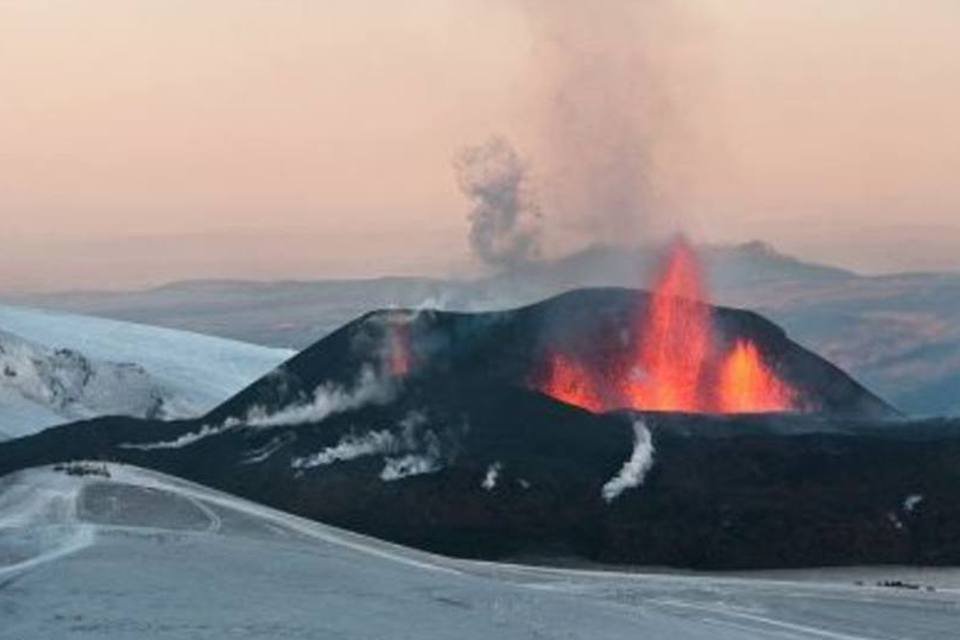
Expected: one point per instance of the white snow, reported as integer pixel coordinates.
(143, 555)
(635, 469)
(115, 367)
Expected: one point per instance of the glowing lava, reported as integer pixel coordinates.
(676, 339)
(570, 382)
(675, 363)
(399, 355)
(747, 385)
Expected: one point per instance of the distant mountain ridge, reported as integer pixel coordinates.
(303, 311)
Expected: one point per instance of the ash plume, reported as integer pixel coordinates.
(606, 110)
(505, 221)
(605, 123)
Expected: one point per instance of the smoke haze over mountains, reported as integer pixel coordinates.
(824, 128)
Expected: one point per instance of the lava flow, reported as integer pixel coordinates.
(675, 363)
(399, 353)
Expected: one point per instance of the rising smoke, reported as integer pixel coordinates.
(328, 399)
(505, 220)
(185, 440)
(409, 465)
(350, 447)
(635, 469)
(414, 450)
(605, 122)
(490, 478)
(605, 111)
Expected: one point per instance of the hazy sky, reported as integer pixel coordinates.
(148, 140)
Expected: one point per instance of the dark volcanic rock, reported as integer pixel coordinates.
(722, 492)
(462, 457)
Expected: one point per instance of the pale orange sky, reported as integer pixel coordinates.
(305, 139)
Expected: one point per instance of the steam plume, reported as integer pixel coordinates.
(504, 221)
(328, 399)
(409, 465)
(635, 469)
(349, 448)
(415, 450)
(490, 478)
(185, 440)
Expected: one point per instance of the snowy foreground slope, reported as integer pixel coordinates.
(143, 555)
(56, 367)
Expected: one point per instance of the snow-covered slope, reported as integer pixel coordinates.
(142, 555)
(56, 367)
(63, 383)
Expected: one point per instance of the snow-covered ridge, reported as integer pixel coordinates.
(57, 367)
(69, 385)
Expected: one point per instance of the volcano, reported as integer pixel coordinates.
(437, 430)
(593, 328)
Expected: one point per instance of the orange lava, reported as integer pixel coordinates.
(676, 339)
(747, 385)
(570, 382)
(399, 356)
(675, 363)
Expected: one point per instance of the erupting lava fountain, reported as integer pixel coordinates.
(675, 361)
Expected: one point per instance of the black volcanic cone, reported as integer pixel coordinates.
(510, 348)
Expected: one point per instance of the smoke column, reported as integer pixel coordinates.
(504, 221)
(635, 469)
(606, 118)
(609, 140)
